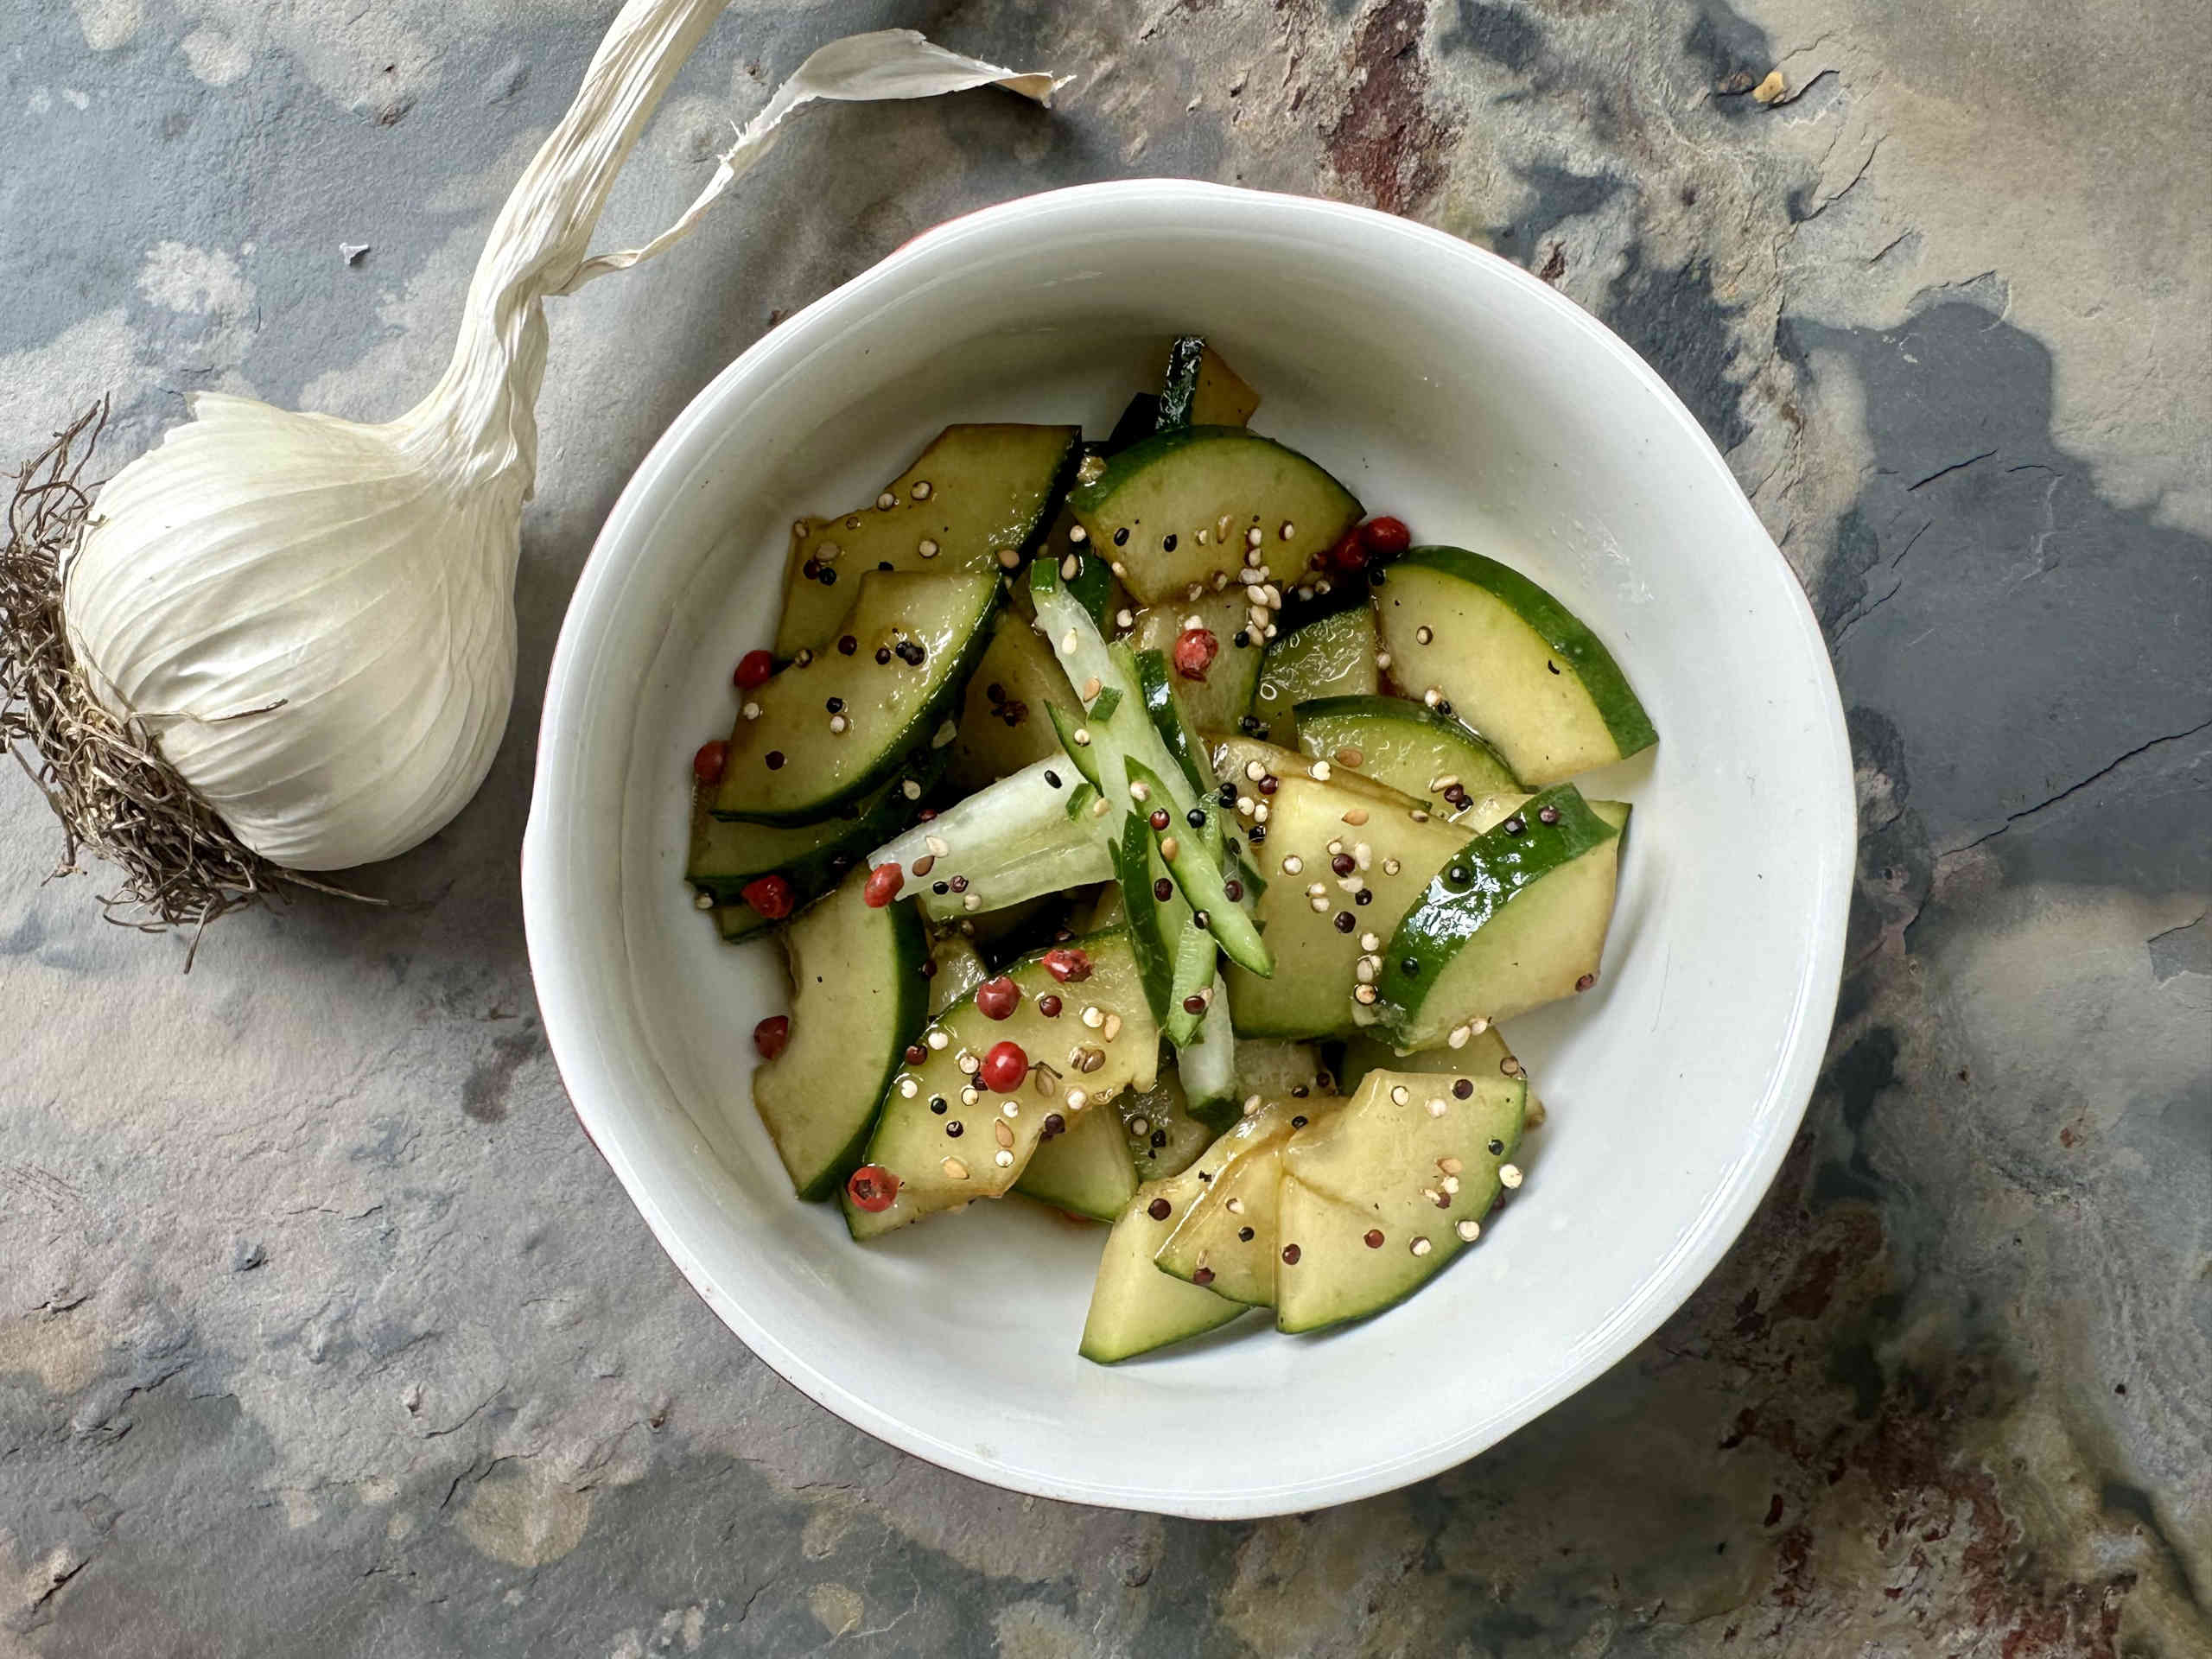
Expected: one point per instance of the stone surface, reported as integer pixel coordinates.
(323, 1330)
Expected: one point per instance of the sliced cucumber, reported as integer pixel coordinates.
(946, 1158)
(1135, 1307)
(738, 923)
(1404, 744)
(858, 998)
(1154, 912)
(1317, 960)
(1165, 1136)
(1515, 919)
(1226, 1240)
(1002, 722)
(1086, 1171)
(1224, 697)
(1200, 389)
(727, 856)
(1175, 510)
(1485, 1052)
(1209, 1062)
(1186, 848)
(788, 763)
(1512, 661)
(1378, 1196)
(1333, 657)
(1271, 1068)
(1235, 757)
(956, 970)
(1013, 841)
(1190, 991)
(1139, 420)
(1182, 739)
(976, 492)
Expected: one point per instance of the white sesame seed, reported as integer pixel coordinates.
(1363, 971)
(801, 528)
(1011, 1107)
(1253, 537)
(1070, 567)
(1256, 593)
(1260, 811)
(1436, 1107)
(969, 1095)
(837, 724)
(1391, 866)
(1245, 804)
(1257, 616)
(937, 844)
(908, 1088)
(1422, 636)
(1220, 581)
(1119, 568)
(1003, 1157)
(967, 1062)
(1289, 530)
(1010, 557)
(1363, 855)
(1274, 597)
(911, 789)
(921, 491)
(953, 1168)
(1335, 846)
(1316, 889)
(1418, 816)
(929, 548)
(1078, 533)
(1509, 1174)
(1421, 1247)
(1125, 618)
(1319, 773)
(1267, 632)
(1100, 807)
(1112, 1029)
(1382, 659)
(1479, 1024)
(1203, 535)
(1254, 771)
(752, 711)
(971, 901)
(828, 551)
(1169, 847)
(1451, 1186)
(1094, 1016)
(1235, 1206)
(1400, 1095)
(1068, 643)
(1439, 785)
(938, 1040)
(1450, 1166)
(1077, 1100)
(1365, 995)
(1320, 907)
(1370, 942)
(1351, 884)
(1083, 737)
(1432, 696)
(1139, 790)
(1459, 1037)
(885, 502)
(1469, 1229)
(1193, 620)
(1197, 589)
(702, 901)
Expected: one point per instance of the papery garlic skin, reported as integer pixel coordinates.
(314, 619)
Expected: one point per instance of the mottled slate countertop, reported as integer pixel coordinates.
(324, 1331)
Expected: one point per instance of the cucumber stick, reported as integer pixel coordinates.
(1185, 847)
(835, 724)
(1014, 841)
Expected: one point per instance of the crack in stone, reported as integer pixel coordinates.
(1955, 466)
(2074, 789)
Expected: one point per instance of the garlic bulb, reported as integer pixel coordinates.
(314, 617)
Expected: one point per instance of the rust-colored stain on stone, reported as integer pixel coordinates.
(1387, 144)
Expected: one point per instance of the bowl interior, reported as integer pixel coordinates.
(1441, 385)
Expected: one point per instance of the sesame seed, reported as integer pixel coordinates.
(1432, 696)
(1169, 847)
(1253, 537)
(1510, 1066)
(938, 1040)
(1479, 1024)
(1100, 807)
(885, 502)
(1350, 757)
(1010, 557)
(752, 711)
(1423, 635)
(1509, 1174)
(1068, 643)
(969, 1095)
(1293, 864)
(1318, 771)
(1112, 1029)
(1451, 1186)
(1077, 1099)
(1421, 1247)
(1139, 790)
(1356, 817)
(1370, 942)
(1418, 816)
(967, 1062)
(1400, 1095)
(929, 548)
(1254, 771)
(702, 901)
(1125, 618)
(837, 724)
(828, 552)
(955, 1169)
(1391, 867)
(1459, 1037)
(1469, 1229)
(1251, 1105)
(921, 491)
(1078, 533)
(937, 844)
(1289, 530)
(1094, 1016)
(801, 528)
(1119, 568)
(1450, 1166)
(1257, 595)
(1140, 1127)
(1260, 811)
(972, 901)
(1083, 737)
(1436, 1107)
(908, 1088)
(1003, 1157)
(1364, 973)
(1090, 689)
(911, 789)
(1002, 1133)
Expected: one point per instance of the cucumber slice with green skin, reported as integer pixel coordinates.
(1200, 389)
(1378, 1196)
(1085, 1171)
(1270, 1069)
(946, 1160)
(788, 764)
(1226, 1240)
(1193, 981)
(1317, 960)
(1406, 745)
(1135, 1307)
(1082, 753)
(1139, 420)
(1184, 742)
(1512, 661)
(1331, 657)
(956, 971)
(1485, 1053)
(1165, 1136)
(738, 923)
(1224, 697)
(1011, 842)
(858, 998)
(1153, 500)
(982, 489)
(1187, 850)
(1516, 919)
(726, 856)
(1153, 911)
(1233, 758)
(1002, 722)
(1208, 1063)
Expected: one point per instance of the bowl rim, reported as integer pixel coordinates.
(565, 993)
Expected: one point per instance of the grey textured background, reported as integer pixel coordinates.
(323, 1330)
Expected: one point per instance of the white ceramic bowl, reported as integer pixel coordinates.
(1442, 385)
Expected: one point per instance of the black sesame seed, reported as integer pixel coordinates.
(1376, 578)
(939, 888)
(1201, 920)
(1290, 1254)
(955, 1130)
(885, 564)
(937, 1104)
(1248, 724)
(1462, 1089)
(811, 570)
(1344, 921)
(1226, 795)
(835, 705)
(1299, 1093)
(1458, 876)
(1298, 1122)
(1259, 833)
(883, 656)
(1364, 896)
(1497, 1149)
(1054, 1124)
(847, 645)
(1196, 817)
(1244, 1235)
(1444, 708)
(1053, 778)
(827, 578)
(1168, 543)
(1122, 536)
(775, 758)
(1551, 665)
(1160, 1137)
(1244, 637)
(1411, 966)
(996, 692)
(1163, 889)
